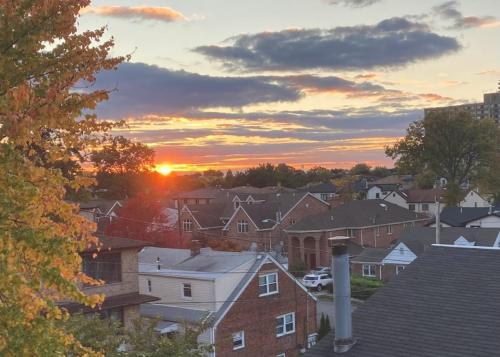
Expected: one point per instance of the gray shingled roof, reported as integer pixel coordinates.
(173, 313)
(356, 214)
(209, 215)
(419, 239)
(445, 304)
(460, 216)
(371, 255)
(424, 196)
(324, 187)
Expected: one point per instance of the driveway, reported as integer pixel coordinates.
(327, 307)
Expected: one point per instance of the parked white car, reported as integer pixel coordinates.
(317, 281)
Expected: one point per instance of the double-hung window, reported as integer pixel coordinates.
(105, 266)
(186, 291)
(187, 225)
(242, 226)
(238, 340)
(369, 270)
(268, 284)
(285, 324)
(389, 229)
(400, 268)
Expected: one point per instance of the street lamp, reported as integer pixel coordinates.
(268, 220)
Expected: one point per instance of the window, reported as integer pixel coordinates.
(312, 339)
(425, 207)
(377, 231)
(377, 195)
(150, 286)
(411, 207)
(238, 340)
(389, 229)
(324, 196)
(242, 226)
(285, 324)
(186, 290)
(369, 270)
(105, 266)
(187, 225)
(400, 268)
(268, 284)
(351, 233)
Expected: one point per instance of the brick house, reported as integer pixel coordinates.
(116, 264)
(250, 220)
(266, 312)
(369, 223)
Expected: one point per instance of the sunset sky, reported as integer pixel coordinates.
(229, 84)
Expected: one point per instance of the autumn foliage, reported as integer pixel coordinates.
(42, 60)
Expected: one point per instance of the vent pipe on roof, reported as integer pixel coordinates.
(490, 211)
(342, 284)
(438, 223)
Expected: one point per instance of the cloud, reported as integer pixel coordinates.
(449, 11)
(144, 89)
(353, 3)
(489, 72)
(394, 42)
(164, 14)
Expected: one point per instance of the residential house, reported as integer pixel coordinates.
(380, 188)
(384, 264)
(444, 304)
(115, 263)
(250, 220)
(250, 304)
(100, 211)
(370, 223)
(474, 199)
(473, 217)
(324, 191)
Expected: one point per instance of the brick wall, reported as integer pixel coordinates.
(381, 237)
(256, 316)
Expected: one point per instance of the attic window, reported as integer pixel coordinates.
(242, 226)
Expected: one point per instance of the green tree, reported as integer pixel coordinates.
(42, 58)
(381, 171)
(324, 326)
(360, 169)
(425, 179)
(450, 144)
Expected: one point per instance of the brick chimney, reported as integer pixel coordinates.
(343, 341)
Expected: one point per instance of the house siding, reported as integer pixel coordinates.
(256, 316)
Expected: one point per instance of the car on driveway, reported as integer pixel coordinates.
(317, 281)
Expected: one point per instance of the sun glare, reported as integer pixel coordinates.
(163, 169)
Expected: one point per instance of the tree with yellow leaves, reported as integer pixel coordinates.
(42, 59)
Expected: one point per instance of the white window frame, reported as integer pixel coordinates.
(267, 284)
(426, 209)
(398, 267)
(371, 274)
(412, 207)
(183, 287)
(283, 318)
(187, 225)
(242, 226)
(389, 229)
(241, 336)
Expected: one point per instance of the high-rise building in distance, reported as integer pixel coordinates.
(489, 108)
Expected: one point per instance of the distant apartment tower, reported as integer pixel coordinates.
(490, 108)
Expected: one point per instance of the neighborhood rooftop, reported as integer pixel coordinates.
(444, 304)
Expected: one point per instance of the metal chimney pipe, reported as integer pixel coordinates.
(343, 312)
(438, 223)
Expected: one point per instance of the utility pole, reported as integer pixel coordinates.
(438, 222)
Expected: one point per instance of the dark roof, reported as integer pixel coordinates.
(110, 302)
(460, 216)
(115, 243)
(386, 187)
(371, 255)
(173, 313)
(388, 180)
(324, 187)
(356, 214)
(424, 196)
(419, 239)
(209, 215)
(209, 192)
(102, 204)
(444, 304)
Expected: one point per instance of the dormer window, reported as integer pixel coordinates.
(242, 226)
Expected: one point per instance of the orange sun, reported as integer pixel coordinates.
(163, 169)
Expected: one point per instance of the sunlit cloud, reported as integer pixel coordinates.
(164, 14)
(449, 11)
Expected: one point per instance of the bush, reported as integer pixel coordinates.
(298, 269)
(362, 288)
